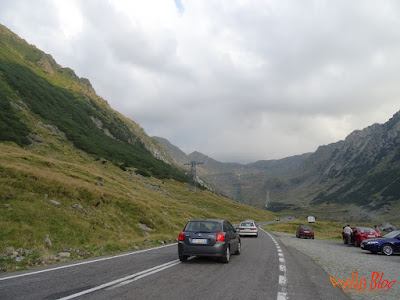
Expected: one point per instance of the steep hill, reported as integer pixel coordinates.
(74, 170)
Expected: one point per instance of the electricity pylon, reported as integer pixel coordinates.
(193, 175)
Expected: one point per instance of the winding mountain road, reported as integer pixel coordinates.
(266, 269)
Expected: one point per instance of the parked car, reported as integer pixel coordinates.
(388, 244)
(208, 237)
(305, 231)
(277, 219)
(360, 234)
(248, 228)
(388, 229)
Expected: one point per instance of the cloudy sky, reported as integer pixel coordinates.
(238, 80)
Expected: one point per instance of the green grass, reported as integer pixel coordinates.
(109, 219)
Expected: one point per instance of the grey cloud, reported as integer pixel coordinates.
(238, 80)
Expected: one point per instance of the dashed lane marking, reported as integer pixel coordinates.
(282, 294)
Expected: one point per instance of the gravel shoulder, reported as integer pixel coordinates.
(339, 261)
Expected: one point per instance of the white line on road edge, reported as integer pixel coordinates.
(84, 263)
(282, 295)
(143, 275)
(122, 280)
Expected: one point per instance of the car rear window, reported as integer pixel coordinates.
(366, 230)
(203, 226)
(247, 224)
(306, 227)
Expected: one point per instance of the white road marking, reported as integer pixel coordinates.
(84, 262)
(121, 280)
(282, 295)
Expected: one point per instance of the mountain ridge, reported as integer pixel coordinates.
(360, 172)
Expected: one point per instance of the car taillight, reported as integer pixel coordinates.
(220, 237)
(254, 228)
(181, 236)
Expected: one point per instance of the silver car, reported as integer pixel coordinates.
(248, 228)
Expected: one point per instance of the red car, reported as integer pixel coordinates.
(304, 231)
(360, 234)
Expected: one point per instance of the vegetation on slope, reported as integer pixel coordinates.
(72, 110)
(91, 207)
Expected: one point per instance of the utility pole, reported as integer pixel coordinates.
(193, 175)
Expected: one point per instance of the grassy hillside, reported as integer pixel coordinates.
(56, 96)
(90, 206)
(74, 170)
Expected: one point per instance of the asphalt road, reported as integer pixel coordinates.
(266, 269)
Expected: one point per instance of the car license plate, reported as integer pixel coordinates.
(306, 231)
(199, 241)
(371, 236)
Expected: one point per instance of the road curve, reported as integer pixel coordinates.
(266, 269)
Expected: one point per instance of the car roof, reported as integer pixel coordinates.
(209, 220)
(248, 222)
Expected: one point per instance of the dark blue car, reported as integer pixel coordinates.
(388, 244)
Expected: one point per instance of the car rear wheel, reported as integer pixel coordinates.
(387, 249)
(183, 258)
(239, 248)
(227, 256)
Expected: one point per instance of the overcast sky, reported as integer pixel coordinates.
(237, 80)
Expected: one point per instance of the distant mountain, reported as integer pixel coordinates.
(179, 157)
(363, 169)
(354, 179)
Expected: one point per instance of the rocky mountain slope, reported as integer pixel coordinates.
(354, 179)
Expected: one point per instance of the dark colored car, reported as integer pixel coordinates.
(388, 229)
(361, 233)
(388, 244)
(209, 237)
(305, 232)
